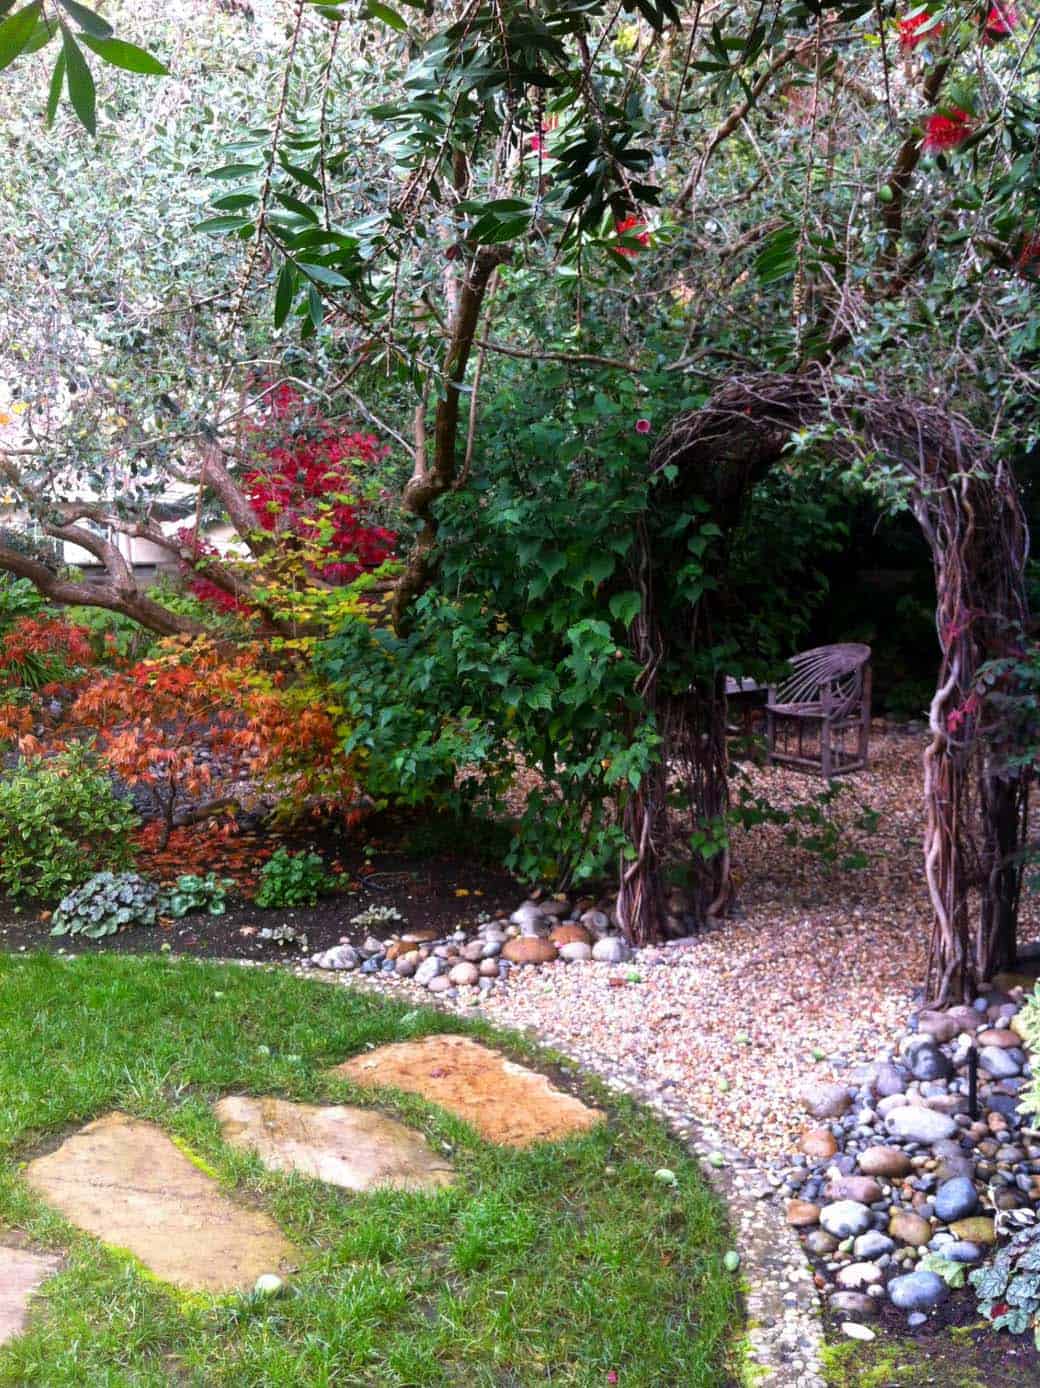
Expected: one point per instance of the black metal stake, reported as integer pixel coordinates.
(973, 1083)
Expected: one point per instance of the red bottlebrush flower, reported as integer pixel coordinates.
(917, 28)
(946, 130)
(642, 426)
(999, 22)
(637, 227)
(537, 142)
(1028, 258)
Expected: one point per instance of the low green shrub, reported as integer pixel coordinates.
(60, 820)
(191, 893)
(292, 879)
(106, 903)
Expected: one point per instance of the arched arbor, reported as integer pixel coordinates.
(968, 508)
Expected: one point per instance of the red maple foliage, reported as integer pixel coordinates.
(203, 723)
(304, 487)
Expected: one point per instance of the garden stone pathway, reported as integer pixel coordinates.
(505, 1102)
(353, 1147)
(128, 1184)
(21, 1273)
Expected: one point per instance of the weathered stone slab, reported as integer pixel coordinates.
(128, 1184)
(505, 1102)
(21, 1273)
(353, 1147)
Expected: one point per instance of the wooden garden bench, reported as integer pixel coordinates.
(824, 703)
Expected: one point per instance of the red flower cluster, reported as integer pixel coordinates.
(1029, 255)
(946, 131)
(1000, 21)
(637, 227)
(913, 30)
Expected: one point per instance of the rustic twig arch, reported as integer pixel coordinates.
(968, 508)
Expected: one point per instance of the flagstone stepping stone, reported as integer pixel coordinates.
(128, 1184)
(21, 1272)
(505, 1102)
(354, 1147)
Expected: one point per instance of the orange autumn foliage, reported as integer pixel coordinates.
(205, 722)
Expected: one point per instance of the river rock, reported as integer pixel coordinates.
(570, 933)
(854, 1304)
(575, 951)
(966, 1017)
(464, 975)
(998, 1036)
(428, 970)
(405, 965)
(855, 1276)
(890, 1079)
(863, 1189)
(909, 1228)
(956, 1199)
(440, 984)
(961, 1251)
(922, 1125)
(845, 1218)
(819, 1242)
(818, 1142)
(977, 1229)
(528, 949)
(531, 919)
(595, 922)
(612, 949)
(1000, 1063)
(890, 1162)
(871, 1245)
(338, 957)
(939, 1025)
(802, 1214)
(918, 1291)
(929, 1063)
(825, 1100)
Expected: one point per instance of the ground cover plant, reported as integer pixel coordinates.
(565, 1262)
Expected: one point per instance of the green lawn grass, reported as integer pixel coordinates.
(564, 1264)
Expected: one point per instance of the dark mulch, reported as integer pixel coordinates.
(432, 887)
(953, 1349)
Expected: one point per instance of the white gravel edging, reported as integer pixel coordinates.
(784, 1331)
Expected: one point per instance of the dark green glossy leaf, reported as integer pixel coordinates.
(125, 55)
(324, 275)
(284, 293)
(16, 31)
(380, 11)
(212, 225)
(54, 93)
(87, 20)
(80, 82)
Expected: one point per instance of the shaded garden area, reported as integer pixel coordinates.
(428, 439)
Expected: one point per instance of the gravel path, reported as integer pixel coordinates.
(816, 972)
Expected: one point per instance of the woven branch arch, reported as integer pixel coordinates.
(968, 508)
